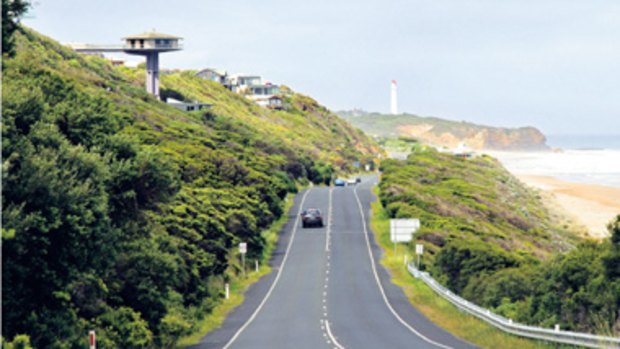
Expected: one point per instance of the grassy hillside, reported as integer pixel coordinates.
(489, 238)
(448, 133)
(121, 213)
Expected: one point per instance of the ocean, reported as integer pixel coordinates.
(585, 142)
(592, 159)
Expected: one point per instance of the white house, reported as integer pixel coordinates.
(271, 102)
(217, 75)
(187, 106)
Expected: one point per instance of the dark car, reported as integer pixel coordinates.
(339, 182)
(311, 217)
(358, 180)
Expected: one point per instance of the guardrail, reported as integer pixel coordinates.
(507, 325)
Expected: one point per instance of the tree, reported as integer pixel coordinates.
(612, 259)
(12, 10)
(614, 230)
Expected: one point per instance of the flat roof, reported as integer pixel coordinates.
(152, 35)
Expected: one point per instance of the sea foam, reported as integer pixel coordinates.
(585, 166)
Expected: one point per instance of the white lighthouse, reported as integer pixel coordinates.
(394, 98)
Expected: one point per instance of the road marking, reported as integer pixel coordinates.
(329, 220)
(275, 281)
(376, 274)
(331, 336)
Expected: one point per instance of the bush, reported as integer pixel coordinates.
(461, 260)
(123, 328)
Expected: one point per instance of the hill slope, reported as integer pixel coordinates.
(120, 213)
(440, 132)
(489, 238)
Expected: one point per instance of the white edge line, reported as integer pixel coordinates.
(374, 270)
(331, 336)
(275, 281)
(329, 220)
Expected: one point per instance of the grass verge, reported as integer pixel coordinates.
(434, 307)
(239, 284)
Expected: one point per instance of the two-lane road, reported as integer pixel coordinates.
(327, 289)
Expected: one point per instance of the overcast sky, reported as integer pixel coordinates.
(553, 64)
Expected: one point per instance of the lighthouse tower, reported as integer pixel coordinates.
(394, 98)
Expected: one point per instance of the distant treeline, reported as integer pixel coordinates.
(491, 241)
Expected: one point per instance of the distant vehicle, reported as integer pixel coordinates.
(311, 217)
(351, 181)
(339, 182)
(358, 180)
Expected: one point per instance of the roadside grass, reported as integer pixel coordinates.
(434, 307)
(239, 283)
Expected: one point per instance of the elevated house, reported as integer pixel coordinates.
(148, 44)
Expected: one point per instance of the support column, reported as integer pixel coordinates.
(152, 73)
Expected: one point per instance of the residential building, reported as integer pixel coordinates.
(217, 75)
(271, 102)
(187, 106)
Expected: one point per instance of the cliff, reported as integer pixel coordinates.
(441, 132)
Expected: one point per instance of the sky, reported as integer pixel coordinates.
(552, 64)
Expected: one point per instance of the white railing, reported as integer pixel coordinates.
(507, 325)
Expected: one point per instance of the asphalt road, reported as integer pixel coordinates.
(328, 289)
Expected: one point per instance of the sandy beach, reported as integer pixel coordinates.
(588, 205)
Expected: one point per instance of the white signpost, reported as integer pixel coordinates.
(243, 249)
(419, 250)
(401, 230)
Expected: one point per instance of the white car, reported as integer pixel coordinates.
(351, 181)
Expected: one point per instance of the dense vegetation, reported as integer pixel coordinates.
(120, 213)
(490, 239)
(12, 10)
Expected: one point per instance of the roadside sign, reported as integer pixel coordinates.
(419, 249)
(401, 230)
(243, 248)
